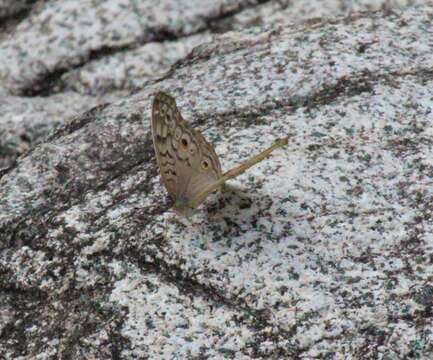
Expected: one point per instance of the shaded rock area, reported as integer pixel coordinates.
(325, 250)
(12, 7)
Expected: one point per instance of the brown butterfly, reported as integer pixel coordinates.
(189, 167)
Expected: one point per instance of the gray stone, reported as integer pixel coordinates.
(11, 7)
(324, 250)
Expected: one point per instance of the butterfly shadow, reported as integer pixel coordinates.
(228, 214)
(235, 216)
(230, 201)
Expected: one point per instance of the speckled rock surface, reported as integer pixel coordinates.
(272, 13)
(106, 49)
(71, 32)
(10, 7)
(133, 69)
(325, 250)
(24, 120)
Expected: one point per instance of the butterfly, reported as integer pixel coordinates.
(189, 167)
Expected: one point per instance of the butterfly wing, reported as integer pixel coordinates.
(187, 162)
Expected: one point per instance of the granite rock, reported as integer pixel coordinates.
(325, 250)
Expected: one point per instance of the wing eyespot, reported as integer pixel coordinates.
(178, 133)
(205, 164)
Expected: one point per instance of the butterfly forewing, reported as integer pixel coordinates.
(162, 110)
(188, 163)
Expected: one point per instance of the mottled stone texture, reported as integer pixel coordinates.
(11, 7)
(325, 250)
